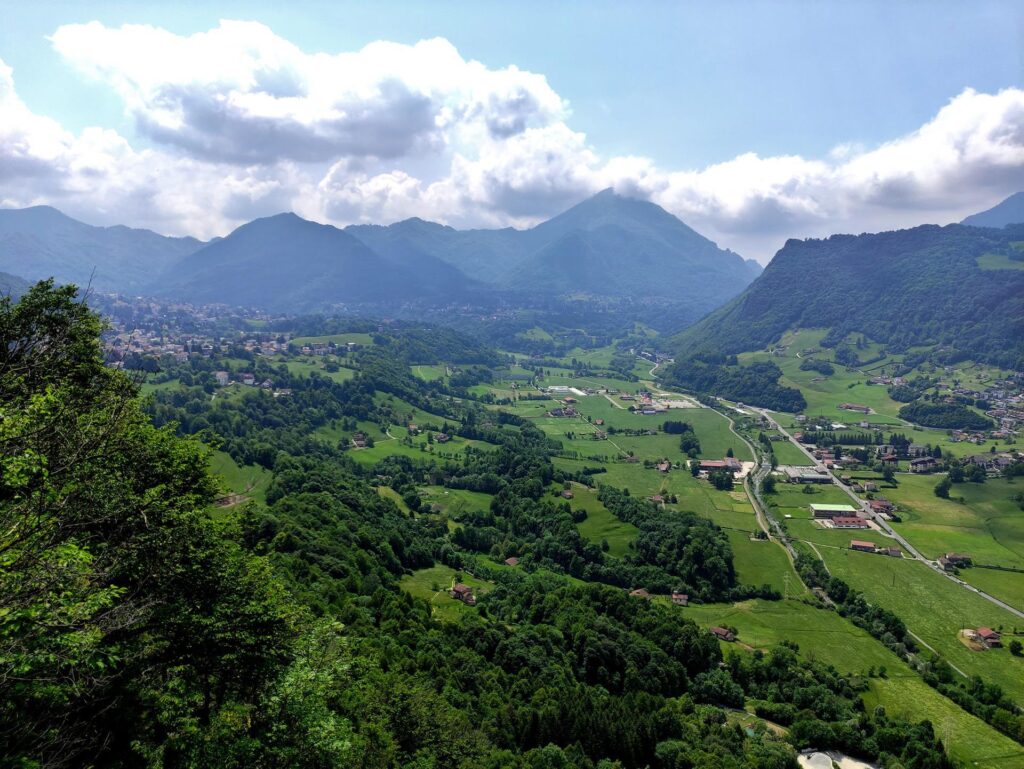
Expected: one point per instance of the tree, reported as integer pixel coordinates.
(1016, 648)
(942, 488)
(768, 484)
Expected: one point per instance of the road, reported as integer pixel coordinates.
(884, 525)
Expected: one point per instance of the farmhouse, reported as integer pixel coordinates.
(442, 437)
(833, 511)
(892, 552)
(855, 407)
(463, 593)
(958, 559)
(923, 465)
(989, 637)
(567, 494)
(680, 599)
(722, 633)
(222, 378)
(862, 546)
(664, 467)
(849, 522)
(513, 561)
(640, 593)
(881, 505)
(359, 441)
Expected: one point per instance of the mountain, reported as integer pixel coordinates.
(42, 242)
(924, 286)
(12, 285)
(285, 262)
(608, 245)
(1010, 211)
(612, 245)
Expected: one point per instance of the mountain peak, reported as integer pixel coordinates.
(1009, 211)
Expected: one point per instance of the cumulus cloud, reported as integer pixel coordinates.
(240, 123)
(240, 93)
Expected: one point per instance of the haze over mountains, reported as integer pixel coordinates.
(607, 246)
(42, 242)
(1009, 211)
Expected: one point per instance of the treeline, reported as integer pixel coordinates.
(946, 415)
(756, 384)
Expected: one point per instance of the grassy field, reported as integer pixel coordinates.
(429, 373)
(788, 454)
(999, 262)
(357, 338)
(1008, 586)
(988, 525)
(306, 367)
(600, 524)
(763, 562)
(825, 393)
(935, 609)
(969, 739)
(389, 493)
(821, 634)
(454, 502)
(251, 481)
(432, 585)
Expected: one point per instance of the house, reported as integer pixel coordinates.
(800, 474)
(918, 450)
(989, 637)
(709, 465)
(849, 522)
(833, 511)
(723, 634)
(359, 441)
(598, 422)
(248, 379)
(664, 466)
(442, 437)
(463, 593)
(513, 561)
(892, 552)
(731, 463)
(958, 559)
(640, 593)
(222, 378)
(862, 546)
(567, 494)
(923, 465)
(881, 505)
(680, 599)
(855, 407)
(658, 499)
(945, 563)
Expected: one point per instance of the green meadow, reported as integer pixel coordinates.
(988, 525)
(600, 525)
(250, 481)
(433, 584)
(935, 609)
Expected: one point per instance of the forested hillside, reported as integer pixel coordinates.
(147, 623)
(924, 286)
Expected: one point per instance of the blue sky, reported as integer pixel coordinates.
(684, 86)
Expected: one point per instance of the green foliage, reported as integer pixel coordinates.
(946, 415)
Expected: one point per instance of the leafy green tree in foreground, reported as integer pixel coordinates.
(130, 626)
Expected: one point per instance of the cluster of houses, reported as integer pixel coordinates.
(994, 464)
(329, 348)
(223, 379)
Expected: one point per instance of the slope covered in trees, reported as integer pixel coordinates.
(921, 286)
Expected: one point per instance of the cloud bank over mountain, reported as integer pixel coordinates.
(237, 122)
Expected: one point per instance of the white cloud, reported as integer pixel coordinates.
(241, 123)
(240, 93)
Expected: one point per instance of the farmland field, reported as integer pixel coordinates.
(934, 608)
(355, 337)
(600, 524)
(763, 562)
(1005, 585)
(988, 525)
